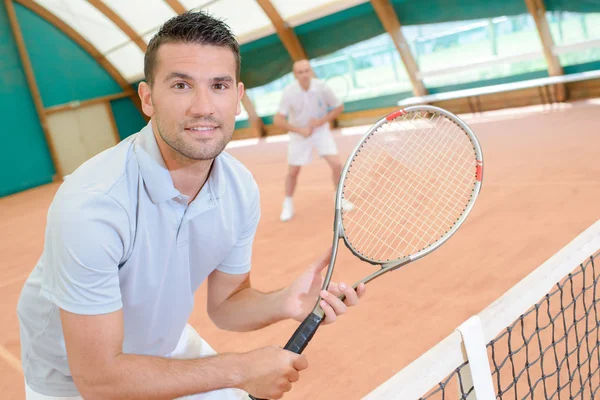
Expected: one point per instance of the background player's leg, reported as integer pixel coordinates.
(336, 168)
(291, 180)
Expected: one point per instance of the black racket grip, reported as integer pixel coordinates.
(304, 333)
(301, 337)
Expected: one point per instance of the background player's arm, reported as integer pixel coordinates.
(101, 370)
(281, 122)
(330, 116)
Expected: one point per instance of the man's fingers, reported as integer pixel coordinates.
(330, 315)
(361, 289)
(351, 295)
(323, 261)
(300, 363)
(334, 302)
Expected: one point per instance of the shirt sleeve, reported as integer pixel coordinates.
(331, 99)
(239, 259)
(284, 104)
(85, 238)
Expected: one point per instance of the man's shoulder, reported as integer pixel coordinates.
(319, 84)
(237, 173)
(106, 175)
(235, 167)
(292, 89)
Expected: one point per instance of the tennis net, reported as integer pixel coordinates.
(540, 340)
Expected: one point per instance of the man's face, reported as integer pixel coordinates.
(194, 99)
(303, 72)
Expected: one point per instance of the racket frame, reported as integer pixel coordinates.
(391, 265)
(304, 333)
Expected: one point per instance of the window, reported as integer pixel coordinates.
(576, 36)
(470, 51)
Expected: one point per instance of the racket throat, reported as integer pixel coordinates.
(387, 267)
(394, 265)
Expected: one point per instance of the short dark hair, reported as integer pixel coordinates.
(191, 27)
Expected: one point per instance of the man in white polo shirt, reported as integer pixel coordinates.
(307, 107)
(134, 231)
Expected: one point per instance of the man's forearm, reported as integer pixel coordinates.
(146, 377)
(249, 310)
(282, 123)
(333, 114)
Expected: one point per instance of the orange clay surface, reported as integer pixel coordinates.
(541, 188)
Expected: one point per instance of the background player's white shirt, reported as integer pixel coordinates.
(300, 106)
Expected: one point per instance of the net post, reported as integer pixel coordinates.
(476, 373)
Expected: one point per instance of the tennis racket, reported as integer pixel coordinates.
(405, 190)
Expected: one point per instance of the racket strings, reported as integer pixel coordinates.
(410, 182)
(416, 189)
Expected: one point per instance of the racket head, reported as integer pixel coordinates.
(411, 181)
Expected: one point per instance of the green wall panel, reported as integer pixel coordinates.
(63, 70)
(128, 118)
(24, 156)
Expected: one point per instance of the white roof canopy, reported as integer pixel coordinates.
(245, 17)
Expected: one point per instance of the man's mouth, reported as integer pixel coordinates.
(202, 131)
(202, 128)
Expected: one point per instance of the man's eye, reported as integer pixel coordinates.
(220, 86)
(180, 85)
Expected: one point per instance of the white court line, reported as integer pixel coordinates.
(243, 143)
(277, 138)
(355, 130)
(10, 359)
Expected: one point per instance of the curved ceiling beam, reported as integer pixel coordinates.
(389, 19)
(286, 33)
(120, 23)
(537, 9)
(72, 34)
(176, 6)
(33, 87)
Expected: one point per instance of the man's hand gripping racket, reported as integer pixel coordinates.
(406, 188)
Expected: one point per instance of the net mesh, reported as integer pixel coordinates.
(549, 352)
(409, 183)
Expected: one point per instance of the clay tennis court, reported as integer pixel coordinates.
(541, 188)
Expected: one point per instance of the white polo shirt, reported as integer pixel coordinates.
(300, 106)
(120, 236)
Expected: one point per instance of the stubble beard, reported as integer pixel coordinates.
(204, 150)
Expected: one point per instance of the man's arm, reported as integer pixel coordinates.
(281, 122)
(330, 116)
(102, 371)
(234, 305)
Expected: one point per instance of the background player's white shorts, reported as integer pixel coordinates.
(190, 345)
(300, 148)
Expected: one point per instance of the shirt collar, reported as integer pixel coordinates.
(312, 87)
(156, 176)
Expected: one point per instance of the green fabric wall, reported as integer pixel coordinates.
(24, 156)
(128, 118)
(63, 70)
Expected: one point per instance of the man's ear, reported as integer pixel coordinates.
(241, 91)
(145, 91)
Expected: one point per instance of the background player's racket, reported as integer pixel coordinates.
(412, 180)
